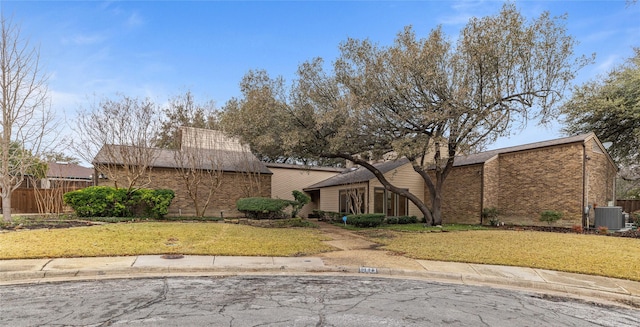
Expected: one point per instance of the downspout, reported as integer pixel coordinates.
(481, 193)
(585, 200)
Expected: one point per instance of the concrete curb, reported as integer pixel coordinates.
(593, 294)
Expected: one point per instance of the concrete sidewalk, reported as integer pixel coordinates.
(587, 287)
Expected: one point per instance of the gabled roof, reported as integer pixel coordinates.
(68, 171)
(358, 175)
(482, 157)
(230, 161)
(362, 175)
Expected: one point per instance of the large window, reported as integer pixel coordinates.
(352, 201)
(389, 203)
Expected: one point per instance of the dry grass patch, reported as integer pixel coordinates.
(161, 238)
(588, 254)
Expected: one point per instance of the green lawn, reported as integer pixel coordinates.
(161, 238)
(588, 254)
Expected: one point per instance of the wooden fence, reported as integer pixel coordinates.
(629, 205)
(25, 200)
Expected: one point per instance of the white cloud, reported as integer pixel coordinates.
(134, 20)
(80, 39)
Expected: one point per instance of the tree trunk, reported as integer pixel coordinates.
(6, 208)
(436, 207)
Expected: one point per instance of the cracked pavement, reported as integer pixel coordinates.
(293, 301)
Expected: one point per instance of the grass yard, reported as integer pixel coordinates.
(588, 254)
(161, 238)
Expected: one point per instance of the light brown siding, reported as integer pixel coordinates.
(402, 177)
(330, 196)
(285, 180)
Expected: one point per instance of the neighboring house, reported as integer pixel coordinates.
(233, 172)
(286, 178)
(67, 175)
(568, 174)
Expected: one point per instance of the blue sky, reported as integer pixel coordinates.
(160, 49)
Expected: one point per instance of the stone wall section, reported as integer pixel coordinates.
(541, 179)
(233, 187)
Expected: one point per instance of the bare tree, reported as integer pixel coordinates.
(117, 137)
(200, 165)
(26, 118)
(249, 173)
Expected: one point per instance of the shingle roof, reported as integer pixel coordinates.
(358, 175)
(481, 157)
(231, 161)
(68, 170)
(361, 174)
(303, 167)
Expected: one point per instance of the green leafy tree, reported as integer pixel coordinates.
(610, 107)
(183, 111)
(424, 99)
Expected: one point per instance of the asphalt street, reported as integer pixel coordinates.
(293, 301)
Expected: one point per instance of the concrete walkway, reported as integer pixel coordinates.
(357, 257)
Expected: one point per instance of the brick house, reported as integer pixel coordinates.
(231, 170)
(566, 174)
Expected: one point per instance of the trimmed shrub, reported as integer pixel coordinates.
(401, 220)
(263, 208)
(301, 200)
(550, 216)
(154, 203)
(366, 220)
(106, 201)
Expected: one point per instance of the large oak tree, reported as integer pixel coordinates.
(610, 107)
(426, 99)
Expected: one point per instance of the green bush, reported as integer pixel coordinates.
(263, 208)
(401, 220)
(300, 200)
(550, 216)
(326, 215)
(491, 213)
(106, 201)
(392, 220)
(366, 220)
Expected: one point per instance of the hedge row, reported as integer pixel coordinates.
(106, 201)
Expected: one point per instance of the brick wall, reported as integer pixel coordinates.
(461, 195)
(491, 182)
(233, 187)
(601, 176)
(541, 179)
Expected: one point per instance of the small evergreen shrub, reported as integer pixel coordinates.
(366, 220)
(550, 216)
(491, 213)
(401, 220)
(263, 208)
(300, 200)
(106, 201)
